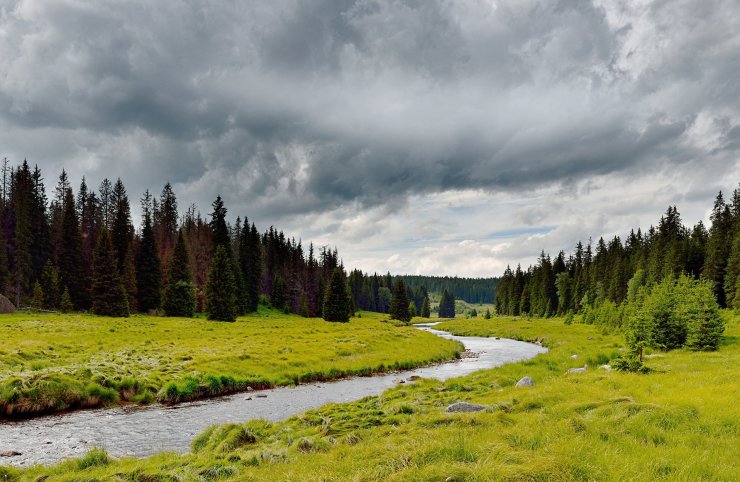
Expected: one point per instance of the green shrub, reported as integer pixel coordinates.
(631, 365)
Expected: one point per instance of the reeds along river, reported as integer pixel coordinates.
(142, 431)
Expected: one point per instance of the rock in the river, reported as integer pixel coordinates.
(525, 382)
(247, 398)
(10, 453)
(577, 370)
(261, 396)
(413, 378)
(465, 407)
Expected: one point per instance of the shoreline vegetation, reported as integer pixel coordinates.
(678, 422)
(80, 361)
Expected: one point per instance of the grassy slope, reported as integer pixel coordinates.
(54, 362)
(680, 422)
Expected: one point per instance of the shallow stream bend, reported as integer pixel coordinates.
(142, 431)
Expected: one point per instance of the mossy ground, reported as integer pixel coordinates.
(680, 422)
(51, 362)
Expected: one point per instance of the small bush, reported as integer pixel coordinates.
(631, 365)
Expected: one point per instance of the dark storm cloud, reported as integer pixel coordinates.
(292, 106)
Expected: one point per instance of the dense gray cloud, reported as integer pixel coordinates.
(304, 114)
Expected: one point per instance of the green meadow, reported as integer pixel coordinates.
(679, 422)
(54, 362)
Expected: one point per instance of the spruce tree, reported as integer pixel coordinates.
(37, 300)
(218, 225)
(121, 232)
(425, 311)
(250, 259)
(400, 303)
(50, 286)
(221, 288)
(336, 303)
(277, 300)
(65, 302)
(697, 310)
(109, 297)
(447, 305)
(71, 273)
(179, 294)
(128, 278)
(412, 309)
(148, 274)
(718, 248)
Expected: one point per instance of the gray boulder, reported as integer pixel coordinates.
(6, 306)
(525, 382)
(465, 407)
(577, 370)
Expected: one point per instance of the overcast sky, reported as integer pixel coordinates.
(418, 136)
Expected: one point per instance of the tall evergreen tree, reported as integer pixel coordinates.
(71, 273)
(221, 288)
(148, 274)
(336, 302)
(179, 294)
(400, 303)
(108, 294)
(425, 310)
(121, 231)
(65, 302)
(447, 305)
(277, 300)
(718, 248)
(218, 226)
(128, 278)
(22, 202)
(50, 286)
(697, 309)
(107, 206)
(165, 224)
(250, 263)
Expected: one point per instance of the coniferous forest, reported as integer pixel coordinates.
(78, 249)
(599, 276)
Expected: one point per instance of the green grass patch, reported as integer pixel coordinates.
(681, 421)
(54, 362)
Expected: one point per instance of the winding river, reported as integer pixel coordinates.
(142, 431)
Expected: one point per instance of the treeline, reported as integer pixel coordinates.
(472, 290)
(593, 275)
(377, 292)
(74, 251)
(374, 292)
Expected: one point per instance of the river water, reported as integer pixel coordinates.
(141, 431)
